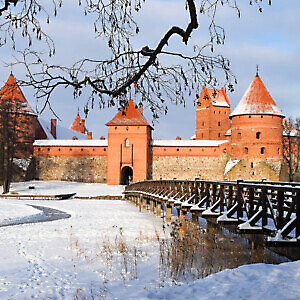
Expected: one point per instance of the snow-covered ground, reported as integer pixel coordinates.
(60, 259)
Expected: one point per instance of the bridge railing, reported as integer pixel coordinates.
(271, 208)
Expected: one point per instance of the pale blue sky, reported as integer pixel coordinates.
(270, 39)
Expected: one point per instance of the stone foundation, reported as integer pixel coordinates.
(80, 169)
(257, 169)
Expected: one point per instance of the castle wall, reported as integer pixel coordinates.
(80, 169)
(189, 167)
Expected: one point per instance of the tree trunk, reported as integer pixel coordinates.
(6, 186)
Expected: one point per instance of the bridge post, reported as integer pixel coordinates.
(158, 209)
(264, 220)
(280, 203)
(230, 194)
(239, 199)
(222, 198)
(251, 201)
(214, 193)
(168, 213)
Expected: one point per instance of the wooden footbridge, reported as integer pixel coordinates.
(268, 209)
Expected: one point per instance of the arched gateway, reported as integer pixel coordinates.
(126, 175)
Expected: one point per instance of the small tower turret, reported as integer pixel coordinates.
(212, 115)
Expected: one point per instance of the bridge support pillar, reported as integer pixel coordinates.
(144, 203)
(195, 218)
(168, 213)
(158, 209)
(140, 199)
(152, 206)
(180, 212)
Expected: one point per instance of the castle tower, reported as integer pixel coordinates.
(212, 115)
(129, 146)
(78, 125)
(256, 130)
(13, 100)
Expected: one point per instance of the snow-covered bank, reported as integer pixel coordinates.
(258, 281)
(58, 259)
(65, 187)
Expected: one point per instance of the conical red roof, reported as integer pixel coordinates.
(257, 100)
(78, 125)
(129, 115)
(12, 92)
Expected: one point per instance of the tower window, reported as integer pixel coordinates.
(258, 135)
(219, 134)
(202, 123)
(126, 142)
(239, 136)
(262, 150)
(246, 150)
(219, 123)
(251, 165)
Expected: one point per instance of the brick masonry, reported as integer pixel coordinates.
(80, 169)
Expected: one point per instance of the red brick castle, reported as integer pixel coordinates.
(245, 143)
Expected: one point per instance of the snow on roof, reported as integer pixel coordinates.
(73, 143)
(257, 100)
(62, 133)
(189, 143)
(218, 97)
(129, 115)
